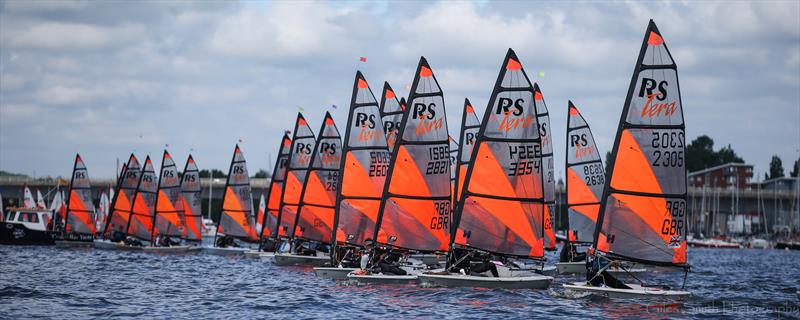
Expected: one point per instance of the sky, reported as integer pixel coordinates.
(105, 78)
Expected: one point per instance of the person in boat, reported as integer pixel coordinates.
(388, 262)
(304, 248)
(598, 275)
(472, 262)
(569, 253)
(117, 236)
(366, 255)
(133, 242)
(350, 258)
(226, 242)
(267, 245)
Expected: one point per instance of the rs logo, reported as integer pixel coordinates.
(420, 109)
(504, 104)
(653, 108)
(303, 148)
(364, 120)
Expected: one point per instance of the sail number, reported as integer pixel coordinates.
(439, 160)
(673, 225)
(524, 160)
(667, 148)
(593, 174)
(378, 164)
(332, 180)
(442, 219)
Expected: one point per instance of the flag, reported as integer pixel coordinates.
(362, 59)
(333, 106)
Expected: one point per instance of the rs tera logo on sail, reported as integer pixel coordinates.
(507, 123)
(654, 108)
(581, 145)
(367, 125)
(425, 113)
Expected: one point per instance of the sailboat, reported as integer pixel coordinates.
(40, 200)
(501, 208)
(415, 207)
(192, 218)
(642, 215)
(270, 230)
(470, 126)
(167, 226)
(80, 228)
(27, 198)
(391, 114)
(543, 121)
(116, 226)
(363, 170)
(236, 220)
(303, 142)
(313, 229)
(102, 211)
(140, 223)
(58, 208)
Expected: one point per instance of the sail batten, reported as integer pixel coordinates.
(363, 168)
(316, 211)
(501, 206)
(415, 210)
(642, 213)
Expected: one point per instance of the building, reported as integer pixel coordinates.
(724, 176)
(782, 183)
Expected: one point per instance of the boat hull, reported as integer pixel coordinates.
(571, 267)
(225, 251)
(334, 273)
(382, 279)
(18, 234)
(74, 244)
(636, 291)
(174, 249)
(284, 260)
(459, 280)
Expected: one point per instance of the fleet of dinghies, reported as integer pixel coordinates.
(396, 199)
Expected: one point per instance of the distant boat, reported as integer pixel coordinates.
(117, 222)
(168, 216)
(500, 213)
(545, 133)
(27, 198)
(313, 229)
(40, 200)
(102, 211)
(642, 217)
(25, 226)
(80, 213)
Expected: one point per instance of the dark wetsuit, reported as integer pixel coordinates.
(569, 253)
(474, 264)
(605, 277)
(350, 259)
(389, 263)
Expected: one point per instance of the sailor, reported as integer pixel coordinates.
(602, 278)
(482, 263)
(366, 256)
(389, 263)
(569, 253)
(349, 258)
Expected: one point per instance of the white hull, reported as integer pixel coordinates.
(255, 254)
(282, 259)
(459, 280)
(334, 273)
(225, 251)
(382, 279)
(108, 245)
(635, 291)
(74, 244)
(174, 249)
(429, 259)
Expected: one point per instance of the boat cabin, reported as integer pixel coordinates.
(33, 219)
(25, 226)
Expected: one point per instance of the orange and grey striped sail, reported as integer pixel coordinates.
(80, 207)
(470, 125)
(318, 200)
(363, 168)
(302, 147)
(140, 224)
(585, 178)
(453, 170)
(391, 114)
(192, 208)
(169, 202)
(502, 204)
(270, 223)
(123, 198)
(643, 209)
(543, 121)
(237, 219)
(415, 208)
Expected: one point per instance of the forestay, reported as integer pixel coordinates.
(501, 206)
(643, 211)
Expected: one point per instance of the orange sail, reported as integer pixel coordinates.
(237, 219)
(391, 114)
(415, 208)
(318, 200)
(122, 202)
(470, 125)
(270, 222)
(303, 142)
(585, 178)
(80, 207)
(169, 202)
(543, 122)
(453, 170)
(192, 208)
(502, 205)
(140, 224)
(363, 169)
(643, 208)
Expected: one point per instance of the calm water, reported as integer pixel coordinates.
(48, 282)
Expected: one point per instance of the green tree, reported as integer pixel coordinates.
(700, 154)
(775, 168)
(608, 160)
(217, 173)
(261, 174)
(795, 169)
